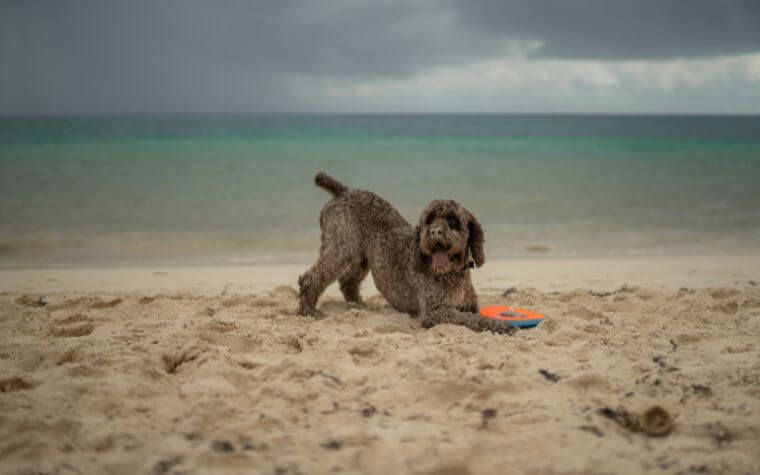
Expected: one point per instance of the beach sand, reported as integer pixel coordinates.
(209, 370)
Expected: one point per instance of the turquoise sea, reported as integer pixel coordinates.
(80, 191)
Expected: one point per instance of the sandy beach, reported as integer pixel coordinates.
(168, 169)
(209, 370)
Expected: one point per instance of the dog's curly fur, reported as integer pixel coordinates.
(423, 270)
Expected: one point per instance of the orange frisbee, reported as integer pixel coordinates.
(517, 316)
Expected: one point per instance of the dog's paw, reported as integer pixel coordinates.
(495, 326)
(310, 312)
(306, 311)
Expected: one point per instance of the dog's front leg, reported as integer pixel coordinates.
(434, 315)
(469, 302)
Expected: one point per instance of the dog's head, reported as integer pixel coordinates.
(447, 235)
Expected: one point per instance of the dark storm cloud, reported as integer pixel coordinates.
(229, 55)
(621, 30)
(233, 55)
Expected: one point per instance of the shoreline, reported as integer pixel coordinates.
(541, 273)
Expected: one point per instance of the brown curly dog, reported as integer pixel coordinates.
(423, 271)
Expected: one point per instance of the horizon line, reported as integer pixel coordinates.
(111, 115)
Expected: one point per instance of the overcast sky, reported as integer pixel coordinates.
(187, 56)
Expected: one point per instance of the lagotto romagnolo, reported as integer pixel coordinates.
(422, 270)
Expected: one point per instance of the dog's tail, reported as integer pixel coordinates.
(323, 180)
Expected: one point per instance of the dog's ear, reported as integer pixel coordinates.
(475, 240)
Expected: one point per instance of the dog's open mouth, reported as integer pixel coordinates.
(440, 258)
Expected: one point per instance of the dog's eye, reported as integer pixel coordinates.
(453, 223)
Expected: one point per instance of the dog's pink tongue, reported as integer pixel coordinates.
(440, 259)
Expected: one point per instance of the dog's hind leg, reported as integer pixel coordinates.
(332, 262)
(352, 278)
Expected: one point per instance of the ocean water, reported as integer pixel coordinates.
(239, 189)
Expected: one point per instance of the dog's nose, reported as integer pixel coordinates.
(436, 231)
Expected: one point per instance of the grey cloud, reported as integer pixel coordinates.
(100, 56)
(621, 30)
(96, 56)
(301, 37)
(143, 55)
